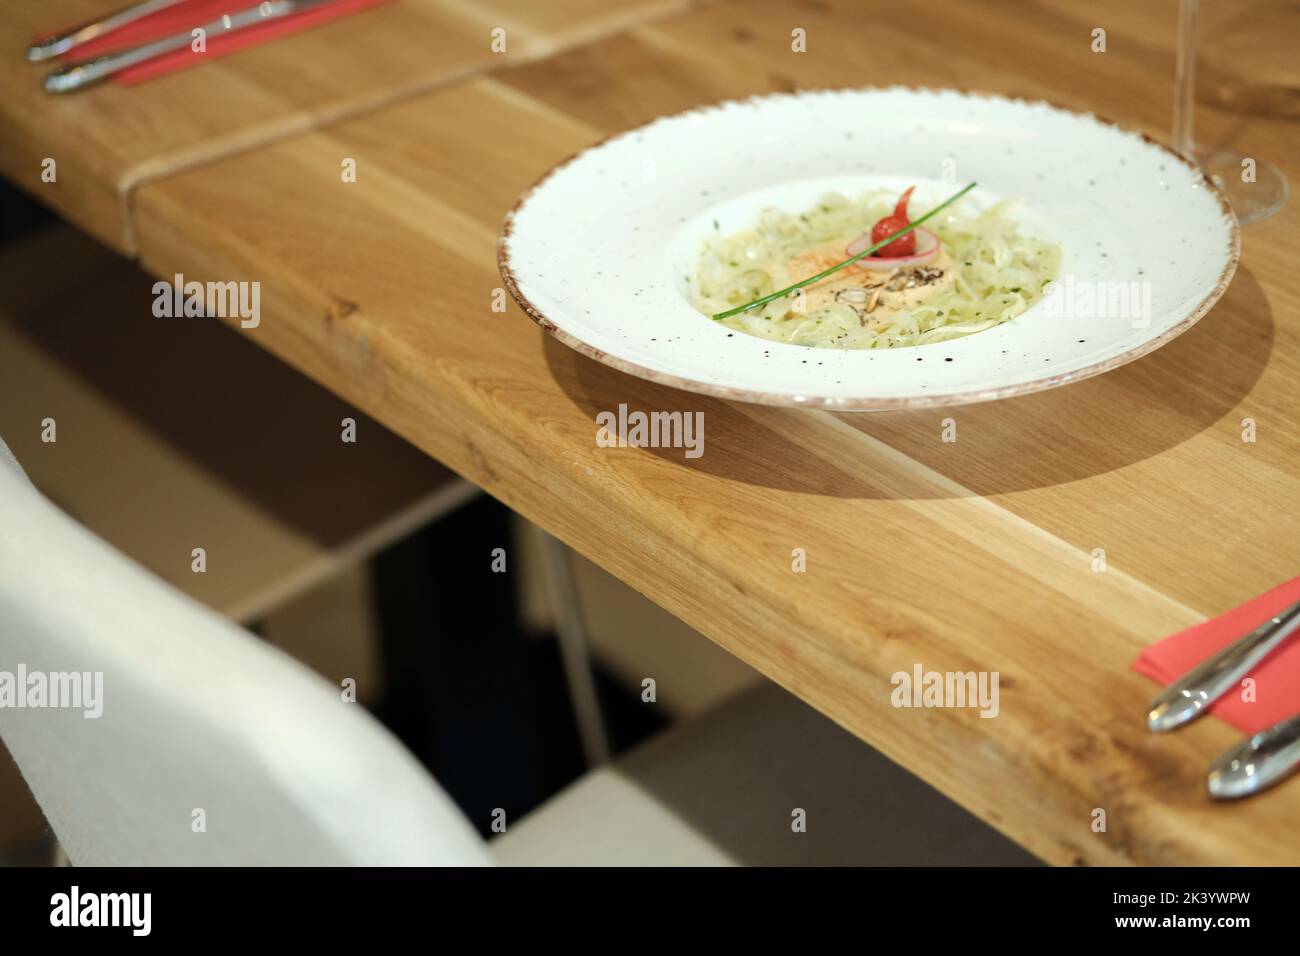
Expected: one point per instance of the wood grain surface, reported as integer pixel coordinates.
(109, 139)
(979, 554)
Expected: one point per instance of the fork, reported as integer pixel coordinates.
(80, 75)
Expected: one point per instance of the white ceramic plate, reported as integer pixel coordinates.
(597, 252)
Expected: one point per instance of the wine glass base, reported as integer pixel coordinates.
(1251, 201)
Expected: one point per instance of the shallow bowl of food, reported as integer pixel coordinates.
(1083, 246)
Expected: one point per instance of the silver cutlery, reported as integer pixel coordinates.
(1190, 696)
(1257, 763)
(61, 43)
(81, 75)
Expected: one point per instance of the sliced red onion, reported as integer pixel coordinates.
(927, 246)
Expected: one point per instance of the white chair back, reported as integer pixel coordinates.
(210, 747)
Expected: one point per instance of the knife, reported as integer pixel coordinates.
(81, 75)
(1257, 763)
(61, 43)
(1195, 691)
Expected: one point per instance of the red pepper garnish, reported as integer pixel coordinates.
(904, 245)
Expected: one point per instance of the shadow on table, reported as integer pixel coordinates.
(1035, 441)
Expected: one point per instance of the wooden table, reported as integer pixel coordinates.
(109, 143)
(974, 555)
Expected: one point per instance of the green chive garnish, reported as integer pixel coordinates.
(847, 262)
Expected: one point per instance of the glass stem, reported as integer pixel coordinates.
(1185, 79)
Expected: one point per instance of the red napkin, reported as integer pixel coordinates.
(192, 13)
(1277, 677)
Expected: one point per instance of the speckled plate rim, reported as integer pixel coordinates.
(870, 404)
